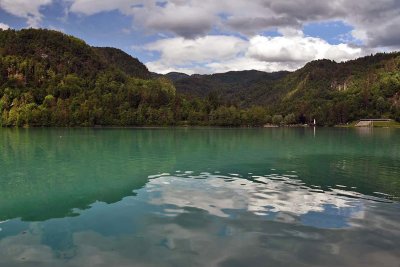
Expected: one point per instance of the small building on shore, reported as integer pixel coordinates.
(370, 122)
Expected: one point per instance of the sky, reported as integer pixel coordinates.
(212, 36)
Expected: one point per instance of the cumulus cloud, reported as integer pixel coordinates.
(298, 49)
(87, 7)
(176, 16)
(162, 68)
(180, 51)
(224, 53)
(179, 54)
(246, 63)
(182, 20)
(197, 29)
(4, 26)
(28, 9)
(375, 22)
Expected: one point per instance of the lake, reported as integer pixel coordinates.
(200, 197)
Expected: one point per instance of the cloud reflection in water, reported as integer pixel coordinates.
(215, 220)
(277, 197)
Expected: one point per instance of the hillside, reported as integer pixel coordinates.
(48, 78)
(226, 84)
(331, 92)
(66, 54)
(176, 76)
(368, 87)
(120, 59)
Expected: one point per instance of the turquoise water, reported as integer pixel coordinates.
(199, 197)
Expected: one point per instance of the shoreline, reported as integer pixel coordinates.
(202, 127)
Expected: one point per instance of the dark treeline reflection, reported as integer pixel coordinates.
(47, 173)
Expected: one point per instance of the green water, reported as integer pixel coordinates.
(199, 197)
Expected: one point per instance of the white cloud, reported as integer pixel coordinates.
(217, 196)
(88, 7)
(177, 16)
(225, 53)
(179, 54)
(28, 9)
(4, 26)
(298, 49)
(192, 48)
(246, 63)
(374, 22)
(182, 20)
(181, 51)
(162, 68)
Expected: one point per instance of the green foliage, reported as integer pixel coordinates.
(330, 92)
(51, 79)
(119, 59)
(290, 119)
(277, 119)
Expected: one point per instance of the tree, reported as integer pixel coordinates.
(257, 116)
(277, 119)
(290, 119)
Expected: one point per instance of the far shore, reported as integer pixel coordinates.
(388, 124)
(267, 126)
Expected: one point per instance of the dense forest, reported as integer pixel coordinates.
(48, 78)
(332, 93)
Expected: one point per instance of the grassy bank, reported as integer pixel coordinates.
(377, 124)
(391, 124)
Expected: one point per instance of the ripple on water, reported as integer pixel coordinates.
(275, 197)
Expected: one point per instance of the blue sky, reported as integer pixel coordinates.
(206, 36)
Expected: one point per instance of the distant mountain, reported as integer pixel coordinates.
(225, 84)
(176, 76)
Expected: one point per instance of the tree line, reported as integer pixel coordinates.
(51, 79)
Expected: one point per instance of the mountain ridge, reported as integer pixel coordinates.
(48, 78)
(369, 81)
(66, 53)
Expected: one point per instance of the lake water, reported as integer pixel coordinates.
(199, 197)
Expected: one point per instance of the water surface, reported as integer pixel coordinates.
(199, 197)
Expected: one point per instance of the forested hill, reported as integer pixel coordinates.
(48, 78)
(228, 84)
(331, 92)
(64, 54)
(130, 65)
